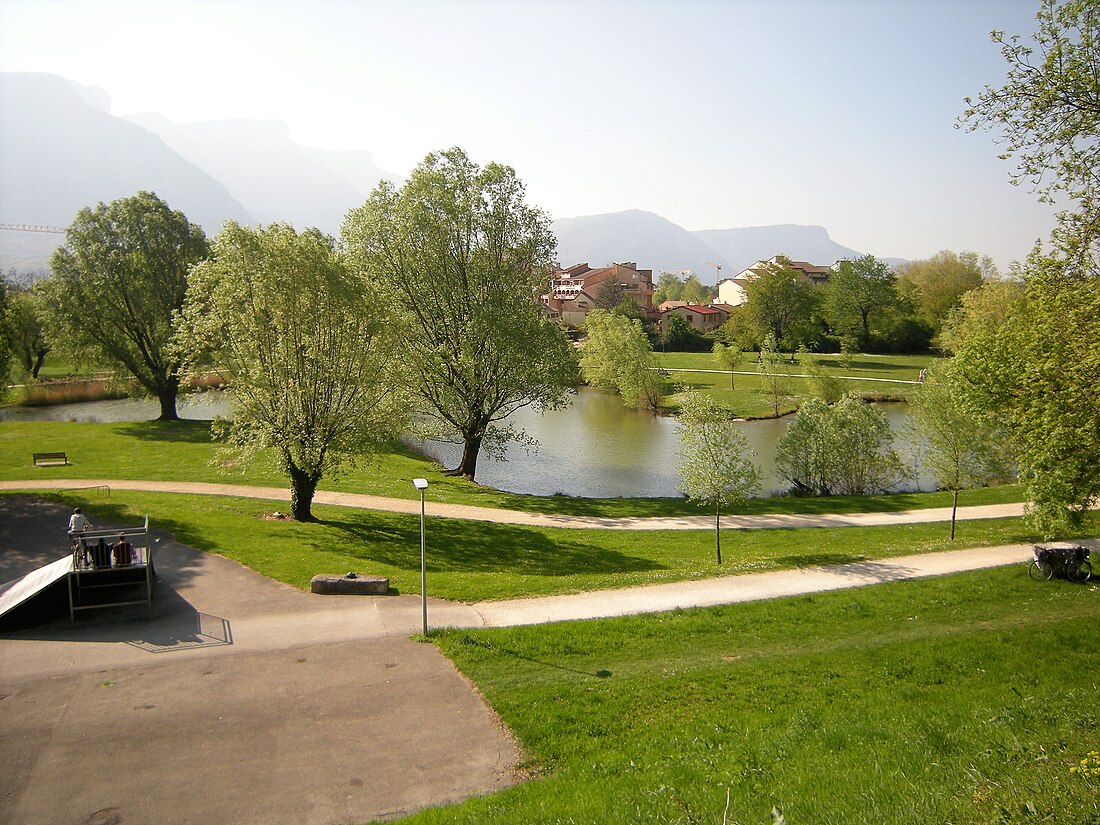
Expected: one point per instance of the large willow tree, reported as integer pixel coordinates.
(303, 346)
(116, 285)
(463, 256)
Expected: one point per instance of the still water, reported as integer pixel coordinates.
(595, 447)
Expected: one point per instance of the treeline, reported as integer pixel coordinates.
(866, 306)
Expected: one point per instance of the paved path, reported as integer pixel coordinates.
(436, 509)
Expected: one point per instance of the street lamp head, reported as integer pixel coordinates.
(420, 483)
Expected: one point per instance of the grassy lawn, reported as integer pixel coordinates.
(183, 451)
(964, 699)
(473, 561)
(749, 399)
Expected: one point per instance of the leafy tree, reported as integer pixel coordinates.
(842, 449)
(617, 355)
(694, 292)
(1047, 113)
(781, 303)
(857, 291)
(777, 380)
(1036, 374)
(116, 285)
(728, 358)
(302, 343)
(716, 464)
(960, 448)
(681, 336)
(463, 255)
(936, 286)
(669, 287)
(24, 331)
(609, 294)
(5, 347)
(827, 386)
(992, 304)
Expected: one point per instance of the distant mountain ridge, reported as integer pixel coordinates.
(661, 245)
(61, 150)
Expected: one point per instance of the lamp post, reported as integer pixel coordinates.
(421, 484)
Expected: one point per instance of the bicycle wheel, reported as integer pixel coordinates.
(1079, 571)
(1041, 570)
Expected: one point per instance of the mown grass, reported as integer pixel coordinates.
(963, 699)
(474, 561)
(184, 451)
(750, 399)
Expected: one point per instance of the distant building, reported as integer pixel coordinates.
(701, 318)
(572, 292)
(733, 291)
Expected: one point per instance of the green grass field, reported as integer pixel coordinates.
(473, 561)
(892, 376)
(966, 699)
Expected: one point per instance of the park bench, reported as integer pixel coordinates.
(50, 459)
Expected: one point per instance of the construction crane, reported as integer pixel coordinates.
(30, 227)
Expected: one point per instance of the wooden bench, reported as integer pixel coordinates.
(50, 459)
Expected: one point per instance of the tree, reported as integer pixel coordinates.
(463, 255)
(936, 286)
(716, 464)
(24, 330)
(5, 347)
(1048, 110)
(609, 294)
(771, 364)
(842, 449)
(728, 358)
(1036, 374)
(781, 303)
(694, 292)
(992, 304)
(617, 355)
(857, 291)
(116, 285)
(302, 343)
(960, 449)
(669, 287)
(681, 336)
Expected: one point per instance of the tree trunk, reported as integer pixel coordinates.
(39, 359)
(954, 507)
(467, 467)
(718, 531)
(302, 487)
(166, 394)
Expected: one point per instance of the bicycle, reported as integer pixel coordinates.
(1068, 561)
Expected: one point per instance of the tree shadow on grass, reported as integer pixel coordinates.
(184, 431)
(480, 547)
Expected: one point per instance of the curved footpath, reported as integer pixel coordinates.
(437, 509)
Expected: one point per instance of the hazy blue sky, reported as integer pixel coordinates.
(712, 114)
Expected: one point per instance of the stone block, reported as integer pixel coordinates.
(350, 584)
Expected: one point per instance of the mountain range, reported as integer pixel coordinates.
(61, 149)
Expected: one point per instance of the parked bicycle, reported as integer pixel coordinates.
(1067, 561)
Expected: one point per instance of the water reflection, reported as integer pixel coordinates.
(596, 447)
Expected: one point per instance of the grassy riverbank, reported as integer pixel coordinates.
(184, 451)
(965, 699)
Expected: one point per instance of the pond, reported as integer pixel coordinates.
(596, 447)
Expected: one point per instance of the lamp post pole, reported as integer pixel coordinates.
(421, 484)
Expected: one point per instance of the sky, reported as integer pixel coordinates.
(714, 114)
